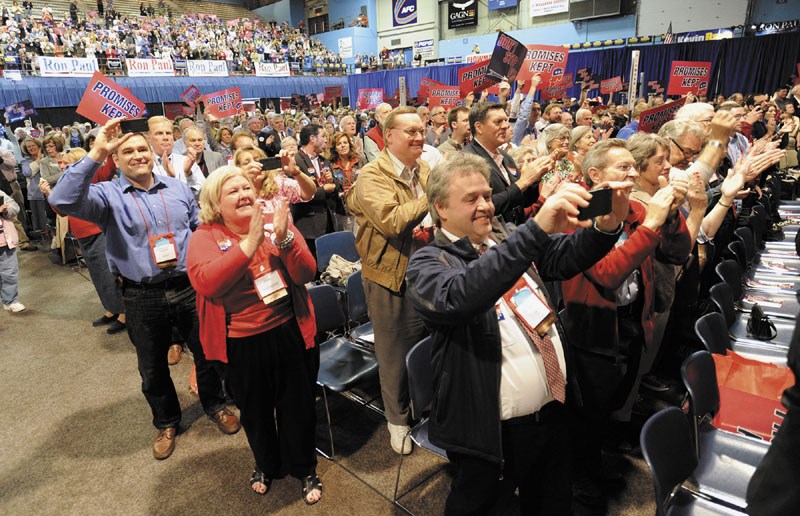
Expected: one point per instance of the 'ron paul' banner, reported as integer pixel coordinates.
(689, 77)
(650, 121)
(104, 99)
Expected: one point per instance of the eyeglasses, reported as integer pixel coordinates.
(415, 132)
(704, 121)
(564, 138)
(685, 153)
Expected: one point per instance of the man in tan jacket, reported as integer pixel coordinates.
(389, 203)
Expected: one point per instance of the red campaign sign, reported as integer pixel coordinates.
(689, 77)
(250, 108)
(559, 79)
(104, 100)
(611, 85)
(188, 111)
(473, 78)
(443, 91)
(173, 111)
(425, 86)
(329, 100)
(333, 91)
(224, 103)
(233, 23)
(147, 26)
(286, 103)
(554, 92)
(650, 121)
(369, 98)
(447, 102)
(92, 14)
(191, 94)
(248, 25)
(547, 60)
(60, 31)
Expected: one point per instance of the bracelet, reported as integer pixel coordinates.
(723, 204)
(718, 144)
(286, 242)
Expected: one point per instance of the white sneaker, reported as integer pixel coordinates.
(397, 433)
(14, 307)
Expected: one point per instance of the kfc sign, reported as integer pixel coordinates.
(462, 13)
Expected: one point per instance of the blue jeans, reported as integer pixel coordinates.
(9, 275)
(93, 248)
(152, 311)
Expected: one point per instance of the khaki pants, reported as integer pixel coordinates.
(397, 328)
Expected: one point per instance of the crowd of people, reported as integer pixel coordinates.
(546, 327)
(111, 35)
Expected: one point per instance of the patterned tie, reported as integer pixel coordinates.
(555, 378)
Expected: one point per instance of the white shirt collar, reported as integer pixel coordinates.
(398, 165)
(488, 242)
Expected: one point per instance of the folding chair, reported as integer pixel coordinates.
(667, 448)
(729, 272)
(712, 331)
(725, 461)
(342, 243)
(342, 364)
(420, 391)
(738, 253)
(357, 307)
(722, 298)
(745, 236)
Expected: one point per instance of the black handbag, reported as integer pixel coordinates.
(759, 325)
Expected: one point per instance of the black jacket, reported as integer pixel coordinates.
(455, 293)
(509, 201)
(315, 217)
(271, 149)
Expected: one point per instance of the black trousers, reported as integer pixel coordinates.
(536, 460)
(152, 311)
(272, 378)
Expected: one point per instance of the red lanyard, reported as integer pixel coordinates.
(169, 229)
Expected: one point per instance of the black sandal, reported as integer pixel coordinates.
(260, 478)
(311, 483)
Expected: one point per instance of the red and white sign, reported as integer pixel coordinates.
(191, 94)
(447, 102)
(147, 26)
(425, 84)
(477, 58)
(173, 111)
(650, 121)
(333, 91)
(369, 98)
(224, 103)
(473, 78)
(554, 92)
(233, 23)
(689, 77)
(547, 60)
(611, 85)
(150, 67)
(104, 100)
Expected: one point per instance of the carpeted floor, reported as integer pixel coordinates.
(77, 431)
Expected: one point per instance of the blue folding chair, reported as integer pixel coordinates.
(667, 448)
(725, 461)
(342, 363)
(420, 391)
(342, 243)
(357, 307)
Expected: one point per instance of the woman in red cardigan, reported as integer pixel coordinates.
(249, 266)
(609, 315)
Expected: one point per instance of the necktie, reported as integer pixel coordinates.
(498, 159)
(555, 378)
(481, 249)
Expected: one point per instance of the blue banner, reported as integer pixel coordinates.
(501, 4)
(21, 111)
(404, 12)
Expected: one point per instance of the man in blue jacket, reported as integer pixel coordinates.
(498, 351)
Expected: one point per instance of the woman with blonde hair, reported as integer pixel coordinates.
(256, 316)
(297, 187)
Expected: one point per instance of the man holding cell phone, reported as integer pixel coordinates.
(147, 219)
(501, 369)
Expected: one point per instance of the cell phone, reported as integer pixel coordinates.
(136, 125)
(600, 204)
(270, 163)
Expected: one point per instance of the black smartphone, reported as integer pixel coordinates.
(270, 163)
(600, 204)
(136, 125)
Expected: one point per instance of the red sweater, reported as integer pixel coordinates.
(214, 271)
(591, 296)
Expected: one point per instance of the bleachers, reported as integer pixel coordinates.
(130, 8)
(223, 11)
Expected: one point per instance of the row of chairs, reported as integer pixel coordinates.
(698, 469)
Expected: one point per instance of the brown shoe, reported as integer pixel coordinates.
(174, 354)
(227, 422)
(164, 444)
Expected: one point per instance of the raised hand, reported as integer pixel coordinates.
(658, 207)
(680, 187)
(288, 164)
(280, 220)
(533, 171)
(721, 126)
(255, 235)
(698, 200)
(620, 204)
(108, 140)
(560, 212)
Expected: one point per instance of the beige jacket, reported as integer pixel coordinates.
(386, 212)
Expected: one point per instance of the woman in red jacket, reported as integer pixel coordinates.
(249, 266)
(609, 315)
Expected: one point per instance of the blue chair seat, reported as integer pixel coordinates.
(343, 364)
(419, 434)
(364, 334)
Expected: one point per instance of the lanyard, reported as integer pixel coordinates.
(169, 229)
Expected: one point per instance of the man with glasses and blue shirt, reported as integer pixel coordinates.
(147, 219)
(389, 203)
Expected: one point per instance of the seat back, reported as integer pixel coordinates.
(667, 448)
(342, 243)
(420, 377)
(722, 296)
(356, 300)
(729, 272)
(746, 237)
(738, 253)
(759, 223)
(713, 332)
(699, 375)
(327, 310)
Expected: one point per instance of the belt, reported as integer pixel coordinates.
(543, 415)
(175, 282)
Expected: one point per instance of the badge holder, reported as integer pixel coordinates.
(529, 307)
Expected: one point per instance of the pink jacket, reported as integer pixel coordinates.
(12, 238)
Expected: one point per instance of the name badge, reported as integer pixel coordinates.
(163, 249)
(530, 309)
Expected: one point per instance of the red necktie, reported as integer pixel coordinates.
(555, 378)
